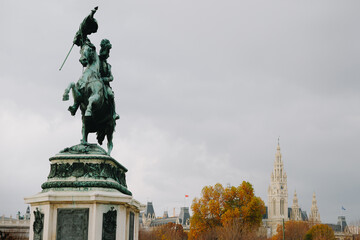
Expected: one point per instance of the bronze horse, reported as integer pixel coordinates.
(88, 94)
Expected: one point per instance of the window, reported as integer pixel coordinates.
(274, 207)
(282, 207)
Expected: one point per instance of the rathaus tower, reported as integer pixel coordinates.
(277, 193)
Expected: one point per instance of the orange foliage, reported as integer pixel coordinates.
(236, 231)
(170, 231)
(294, 230)
(320, 232)
(219, 207)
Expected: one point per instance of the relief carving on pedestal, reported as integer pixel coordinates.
(38, 225)
(109, 225)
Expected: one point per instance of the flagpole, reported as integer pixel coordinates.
(66, 57)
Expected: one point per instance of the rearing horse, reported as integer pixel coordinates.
(88, 94)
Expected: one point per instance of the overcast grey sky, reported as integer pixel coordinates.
(203, 87)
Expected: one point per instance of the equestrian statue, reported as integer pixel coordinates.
(92, 92)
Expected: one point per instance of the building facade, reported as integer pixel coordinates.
(277, 194)
(278, 209)
(15, 228)
(148, 218)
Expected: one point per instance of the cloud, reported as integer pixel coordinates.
(163, 167)
(203, 90)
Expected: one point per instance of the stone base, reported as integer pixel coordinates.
(84, 198)
(96, 202)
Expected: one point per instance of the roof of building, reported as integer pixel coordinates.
(304, 215)
(342, 222)
(149, 209)
(184, 215)
(340, 226)
(335, 227)
(162, 221)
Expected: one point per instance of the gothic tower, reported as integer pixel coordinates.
(314, 212)
(278, 191)
(295, 213)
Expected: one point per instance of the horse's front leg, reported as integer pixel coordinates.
(95, 98)
(77, 99)
(76, 95)
(67, 90)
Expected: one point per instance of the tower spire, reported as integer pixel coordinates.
(278, 146)
(277, 191)
(314, 214)
(295, 214)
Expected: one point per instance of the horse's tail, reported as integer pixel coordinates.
(108, 129)
(100, 136)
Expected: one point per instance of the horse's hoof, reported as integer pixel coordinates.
(72, 110)
(65, 97)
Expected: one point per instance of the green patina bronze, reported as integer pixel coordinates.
(92, 92)
(72, 224)
(84, 149)
(84, 167)
(85, 185)
(88, 170)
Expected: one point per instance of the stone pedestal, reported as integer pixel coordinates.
(84, 198)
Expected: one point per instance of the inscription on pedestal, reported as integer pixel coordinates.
(109, 225)
(72, 224)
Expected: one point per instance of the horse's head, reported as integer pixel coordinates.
(88, 55)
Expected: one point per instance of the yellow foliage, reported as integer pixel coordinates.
(294, 230)
(219, 207)
(320, 232)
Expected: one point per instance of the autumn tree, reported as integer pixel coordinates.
(235, 230)
(146, 234)
(170, 231)
(219, 208)
(294, 230)
(320, 232)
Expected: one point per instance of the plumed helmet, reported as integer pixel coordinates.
(105, 44)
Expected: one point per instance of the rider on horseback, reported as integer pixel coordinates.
(106, 75)
(92, 92)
